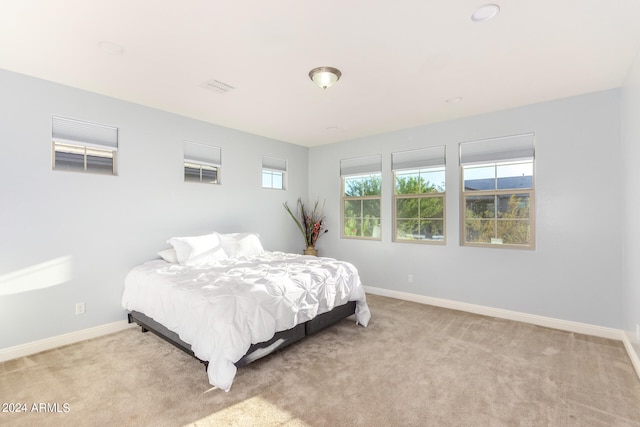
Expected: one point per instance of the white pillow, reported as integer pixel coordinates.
(169, 255)
(209, 257)
(241, 244)
(198, 250)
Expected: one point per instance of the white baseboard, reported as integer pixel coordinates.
(60, 340)
(635, 358)
(549, 322)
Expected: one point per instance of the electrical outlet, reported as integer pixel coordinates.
(80, 309)
(410, 278)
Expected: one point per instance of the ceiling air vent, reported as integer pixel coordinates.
(217, 86)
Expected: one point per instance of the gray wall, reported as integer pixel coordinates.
(574, 274)
(631, 178)
(70, 237)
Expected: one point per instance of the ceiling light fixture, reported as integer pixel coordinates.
(485, 13)
(325, 76)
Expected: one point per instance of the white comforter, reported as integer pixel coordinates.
(222, 308)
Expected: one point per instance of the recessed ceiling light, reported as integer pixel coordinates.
(111, 47)
(485, 13)
(454, 100)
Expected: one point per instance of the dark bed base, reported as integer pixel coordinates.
(256, 351)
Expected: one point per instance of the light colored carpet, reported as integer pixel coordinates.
(415, 365)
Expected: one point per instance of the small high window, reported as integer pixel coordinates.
(83, 147)
(274, 173)
(202, 162)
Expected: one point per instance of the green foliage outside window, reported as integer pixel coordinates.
(501, 218)
(362, 205)
(419, 205)
(498, 200)
(360, 186)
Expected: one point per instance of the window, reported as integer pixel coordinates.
(83, 147)
(498, 192)
(202, 163)
(419, 195)
(361, 182)
(274, 173)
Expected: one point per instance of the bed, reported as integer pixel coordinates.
(227, 301)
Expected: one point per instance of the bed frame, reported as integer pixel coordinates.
(279, 341)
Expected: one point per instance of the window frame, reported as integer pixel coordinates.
(66, 147)
(419, 161)
(274, 166)
(85, 139)
(362, 198)
(271, 174)
(201, 167)
(201, 157)
(502, 158)
(419, 196)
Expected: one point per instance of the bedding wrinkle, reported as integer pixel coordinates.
(220, 309)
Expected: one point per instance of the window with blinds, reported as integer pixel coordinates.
(274, 173)
(419, 195)
(498, 192)
(83, 147)
(361, 197)
(202, 163)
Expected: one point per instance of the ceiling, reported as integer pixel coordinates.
(400, 61)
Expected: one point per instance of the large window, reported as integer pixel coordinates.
(83, 147)
(419, 195)
(361, 182)
(202, 162)
(498, 192)
(274, 173)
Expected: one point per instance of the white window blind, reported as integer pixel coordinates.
(361, 165)
(84, 133)
(515, 147)
(274, 164)
(204, 154)
(420, 158)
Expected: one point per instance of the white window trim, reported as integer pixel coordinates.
(274, 165)
(344, 198)
(201, 166)
(523, 149)
(83, 137)
(442, 195)
(425, 158)
(199, 155)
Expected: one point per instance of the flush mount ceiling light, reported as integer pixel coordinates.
(485, 13)
(325, 76)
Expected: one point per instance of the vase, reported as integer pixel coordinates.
(311, 251)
